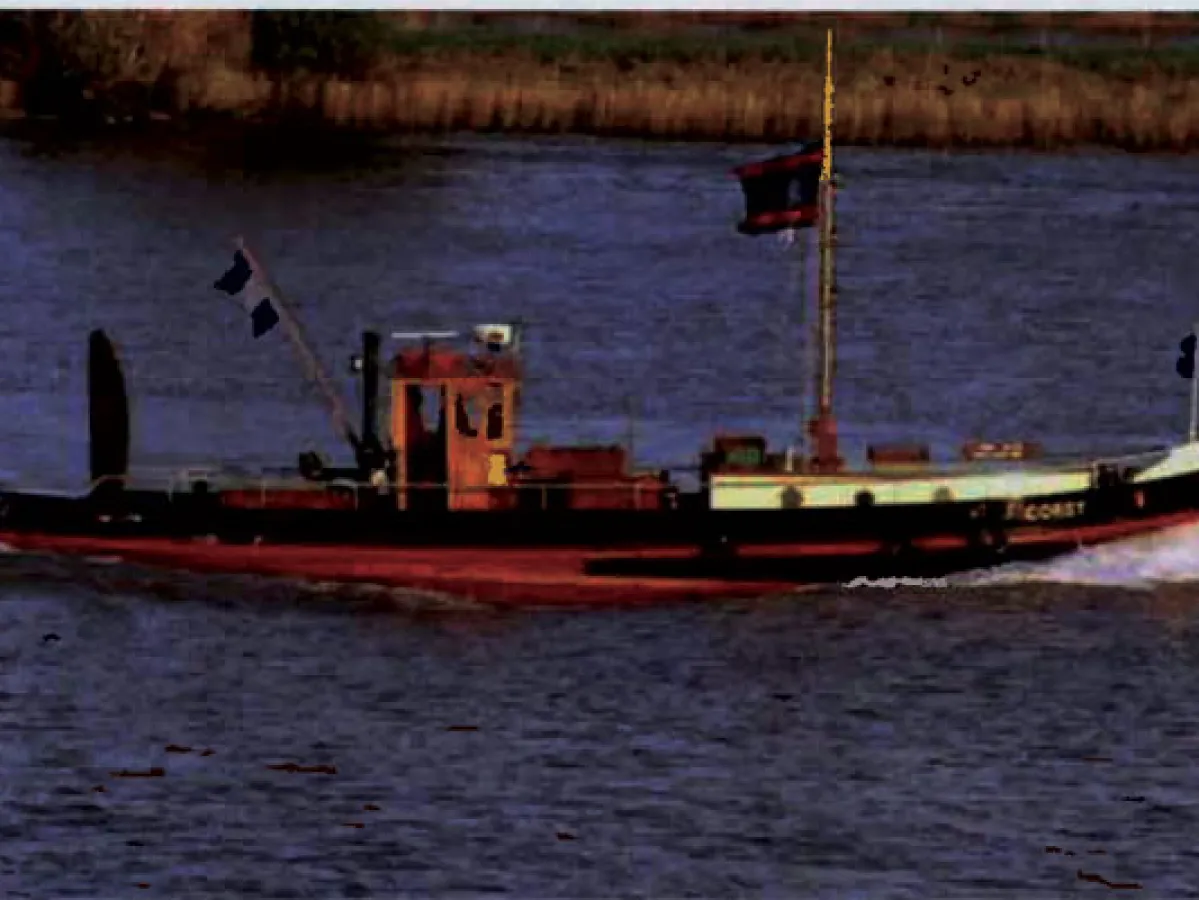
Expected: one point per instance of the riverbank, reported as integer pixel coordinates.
(886, 97)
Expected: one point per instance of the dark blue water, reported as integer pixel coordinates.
(852, 743)
(981, 295)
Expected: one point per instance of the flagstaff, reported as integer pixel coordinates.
(295, 333)
(1193, 431)
(1186, 368)
(274, 308)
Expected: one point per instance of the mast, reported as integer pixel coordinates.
(823, 427)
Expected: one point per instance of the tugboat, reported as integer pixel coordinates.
(442, 499)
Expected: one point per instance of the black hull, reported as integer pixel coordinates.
(717, 533)
(586, 557)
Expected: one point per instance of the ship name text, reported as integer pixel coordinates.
(1018, 510)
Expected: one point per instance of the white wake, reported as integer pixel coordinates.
(1165, 557)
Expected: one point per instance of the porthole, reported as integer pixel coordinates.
(791, 498)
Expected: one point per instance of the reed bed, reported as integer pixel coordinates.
(886, 96)
(1043, 106)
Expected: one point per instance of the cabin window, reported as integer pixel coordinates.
(428, 404)
(863, 499)
(791, 498)
(462, 417)
(495, 422)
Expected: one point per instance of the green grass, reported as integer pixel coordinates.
(800, 46)
(601, 46)
(1121, 63)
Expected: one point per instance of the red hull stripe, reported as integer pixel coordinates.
(501, 577)
(1080, 535)
(535, 576)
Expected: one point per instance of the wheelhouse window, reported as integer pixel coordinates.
(462, 418)
(495, 422)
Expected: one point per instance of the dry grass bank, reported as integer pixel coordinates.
(995, 104)
(743, 91)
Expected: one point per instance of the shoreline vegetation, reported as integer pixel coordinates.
(1117, 80)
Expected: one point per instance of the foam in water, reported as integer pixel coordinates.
(1165, 557)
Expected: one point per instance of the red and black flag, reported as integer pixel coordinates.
(782, 192)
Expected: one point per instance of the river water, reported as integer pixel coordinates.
(858, 742)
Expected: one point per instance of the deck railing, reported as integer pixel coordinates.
(175, 481)
(922, 469)
(183, 481)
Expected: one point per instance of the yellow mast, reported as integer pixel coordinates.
(826, 171)
(823, 427)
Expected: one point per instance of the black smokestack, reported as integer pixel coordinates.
(108, 415)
